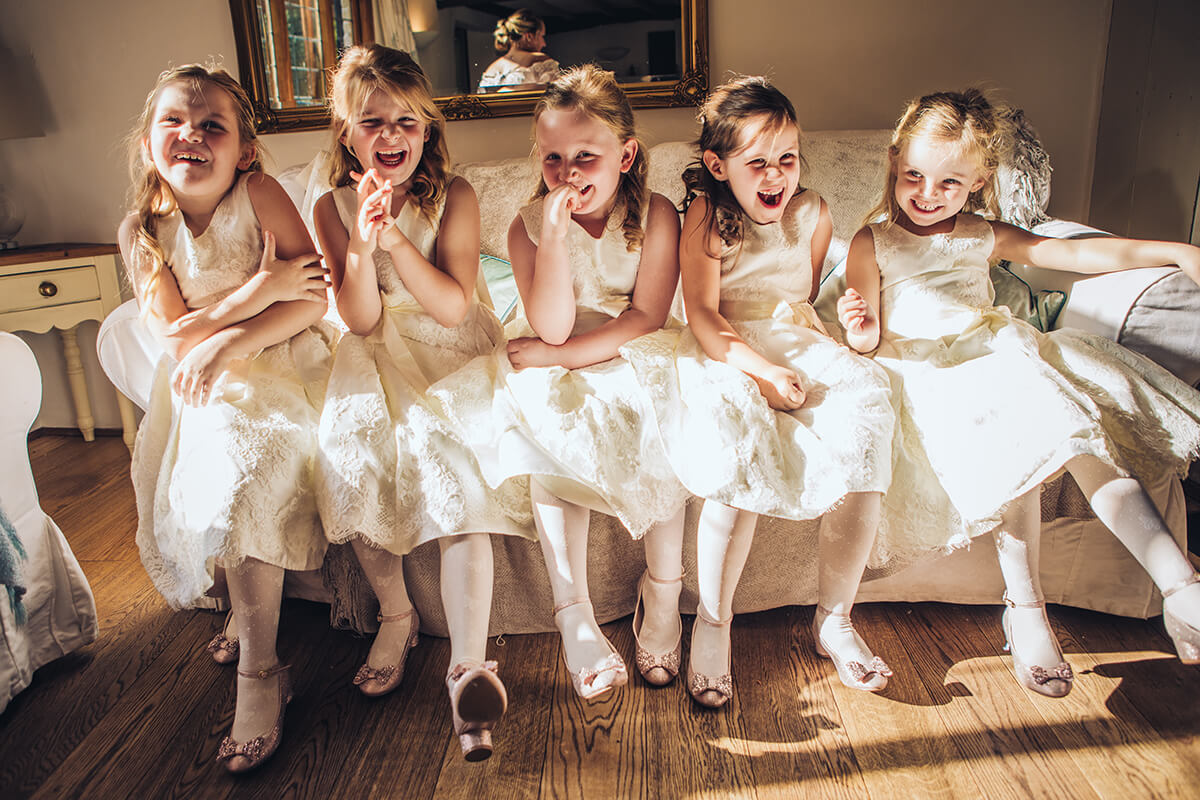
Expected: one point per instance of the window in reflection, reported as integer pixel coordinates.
(299, 38)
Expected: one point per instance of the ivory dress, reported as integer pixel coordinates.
(587, 434)
(389, 470)
(232, 479)
(505, 75)
(990, 407)
(724, 441)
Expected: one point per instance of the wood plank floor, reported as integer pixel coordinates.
(139, 713)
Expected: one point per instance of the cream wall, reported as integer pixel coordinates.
(845, 65)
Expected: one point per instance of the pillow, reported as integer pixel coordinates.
(1039, 309)
(497, 273)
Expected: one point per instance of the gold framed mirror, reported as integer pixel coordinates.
(286, 47)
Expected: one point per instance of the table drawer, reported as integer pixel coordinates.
(30, 290)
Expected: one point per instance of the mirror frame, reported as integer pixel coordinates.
(689, 90)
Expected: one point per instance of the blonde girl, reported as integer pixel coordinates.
(520, 39)
(227, 280)
(594, 257)
(401, 237)
(761, 411)
(990, 407)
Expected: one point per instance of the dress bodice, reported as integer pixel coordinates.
(604, 270)
(223, 257)
(505, 72)
(412, 223)
(773, 263)
(935, 285)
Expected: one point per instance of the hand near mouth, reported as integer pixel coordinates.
(557, 208)
(374, 207)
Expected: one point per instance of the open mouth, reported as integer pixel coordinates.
(391, 159)
(926, 208)
(193, 158)
(771, 199)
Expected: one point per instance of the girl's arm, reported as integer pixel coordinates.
(653, 291)
(199, 370)
(821, 238)
(1092, 256)
(701, 274)
(350, 253)
(858, 308)
(542, 271)
(447, 289)
(288, 272)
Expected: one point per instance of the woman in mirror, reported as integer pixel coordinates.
(520, 37)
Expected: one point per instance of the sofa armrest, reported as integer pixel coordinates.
(128, 352)
(1153, 311)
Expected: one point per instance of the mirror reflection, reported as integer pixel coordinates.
(483, 58)
(458, 42)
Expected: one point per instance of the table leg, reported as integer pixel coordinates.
(128, 426)
(79, 391)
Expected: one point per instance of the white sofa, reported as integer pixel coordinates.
(1082, 563)
(59, 607)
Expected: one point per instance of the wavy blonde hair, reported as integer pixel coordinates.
(595, 92)
(150, 198)
(510, 29)
(725, 114)
(364, 70)
(968, 119)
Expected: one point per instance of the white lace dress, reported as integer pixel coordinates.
(390, 472)
(990, 407)
(589, 427)
(232, 479)
(505, 75)
(724, 441)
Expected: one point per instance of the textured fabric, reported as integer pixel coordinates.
(232, 479)
(503, 73)
(724, 441)
(390, 472)
(989, 407)
(588, 426)
(1164, 325)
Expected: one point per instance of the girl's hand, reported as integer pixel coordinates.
(199, 371)
(781, 388)
(374, 207)
(531, 352)
(299, 278)
(557, 208)
(859, 319)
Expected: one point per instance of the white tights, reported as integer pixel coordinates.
(255, 591)
(562, 528)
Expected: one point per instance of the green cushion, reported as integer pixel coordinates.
(1039, 309)
(500, 282)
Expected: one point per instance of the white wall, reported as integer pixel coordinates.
(844, 65)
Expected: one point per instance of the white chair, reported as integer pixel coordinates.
(59, 607)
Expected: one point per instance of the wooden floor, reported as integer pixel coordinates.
(139, 713)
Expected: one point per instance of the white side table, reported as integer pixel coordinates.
(60, 286)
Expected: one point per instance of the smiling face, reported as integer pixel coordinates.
(388, 136)
(763, 171)
(934, 179)
(194, 143)
(582, 151)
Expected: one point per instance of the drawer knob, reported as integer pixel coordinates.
(47, 289)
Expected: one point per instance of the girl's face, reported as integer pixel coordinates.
(763, 171)
(387, 136)
(582, 151)
(194, 142)
(934, 179)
